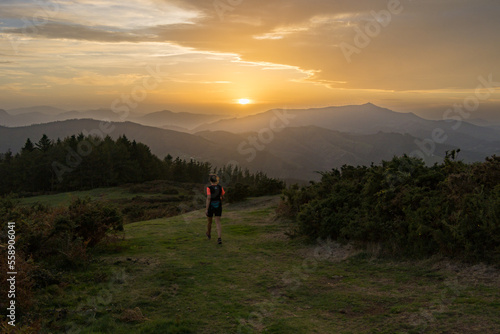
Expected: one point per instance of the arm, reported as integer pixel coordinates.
(208, 201)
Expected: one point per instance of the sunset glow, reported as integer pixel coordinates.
(243, 101)
(192, 56)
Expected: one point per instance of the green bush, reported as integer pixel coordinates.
(60, 237)
(237, 193)
(92, 220)
(409, 209)
(50, 241)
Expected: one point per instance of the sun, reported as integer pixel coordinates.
(244, 101)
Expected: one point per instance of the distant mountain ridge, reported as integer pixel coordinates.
(368, 119)
(353, 118)
(293, 152)
(179, 121)
(283, 143)
(48, 110)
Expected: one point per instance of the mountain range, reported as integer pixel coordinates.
(179, 121)
(290, 144)
(369, 119)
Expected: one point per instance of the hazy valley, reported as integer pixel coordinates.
(290, 144)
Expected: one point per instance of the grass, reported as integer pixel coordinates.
(63, 199)
(137, 202)
(165, 277)
(151, 189)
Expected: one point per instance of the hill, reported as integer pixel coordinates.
(179, 121)
(165, 277)
(367, 119)
(6, 119)
(161, 141)
(175, 120)
(294, 152)
(43, 114)
(298, 152)
(47, 110)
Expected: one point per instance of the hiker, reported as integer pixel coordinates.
(215, 194)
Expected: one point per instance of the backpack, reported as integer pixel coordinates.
(215, 193)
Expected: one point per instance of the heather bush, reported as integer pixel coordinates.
(50, 241)
(407, 208)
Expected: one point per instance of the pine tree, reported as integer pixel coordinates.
(44, 144)
(28, 146)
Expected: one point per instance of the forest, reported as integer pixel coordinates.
(83, 162)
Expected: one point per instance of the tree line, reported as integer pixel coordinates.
(80, 162)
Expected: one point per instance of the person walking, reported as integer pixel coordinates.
(215, 194)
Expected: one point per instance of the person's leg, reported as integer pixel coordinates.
(219, 227)
(209, 227)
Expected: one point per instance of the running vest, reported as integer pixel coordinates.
(215, 192)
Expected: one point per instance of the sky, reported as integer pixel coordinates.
(204, 56)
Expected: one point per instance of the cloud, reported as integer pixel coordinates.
(124, 15)
(78, 32)
(430, 45)
(88, 78)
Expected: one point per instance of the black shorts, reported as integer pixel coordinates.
(214, 211)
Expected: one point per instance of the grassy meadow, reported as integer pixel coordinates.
(164, 276)
(150, 189)
(137, 202)
(62, 199)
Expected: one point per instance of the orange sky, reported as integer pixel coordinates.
(204, 55)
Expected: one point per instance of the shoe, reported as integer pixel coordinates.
(208, 236)
(219, 241)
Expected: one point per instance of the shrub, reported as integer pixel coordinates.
(408, 208)
(171, 191)
(237, 193)
(49, 241)
(93, 220)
